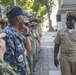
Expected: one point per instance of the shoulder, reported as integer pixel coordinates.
(8, 30)
(5, 67)
(62, 30)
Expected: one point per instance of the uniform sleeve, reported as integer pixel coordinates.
(57, 38)
(10, 53)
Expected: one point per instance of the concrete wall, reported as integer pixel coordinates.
(68, 2)
(65, 6)
(62, 23)
(59, 24)
(63, 19)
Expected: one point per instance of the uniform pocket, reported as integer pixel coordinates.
(74, 40)
(63, 40)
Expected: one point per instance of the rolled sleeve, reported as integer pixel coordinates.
(9, 55)
(57, 38)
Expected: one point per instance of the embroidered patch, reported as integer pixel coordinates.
(20, 58)
(19, 45)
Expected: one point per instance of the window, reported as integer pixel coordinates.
(58, 17)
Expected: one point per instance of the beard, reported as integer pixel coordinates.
(70, 26)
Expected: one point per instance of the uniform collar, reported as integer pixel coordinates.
(66, 29)
(74, 30)
(14, 30)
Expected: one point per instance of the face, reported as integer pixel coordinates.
(70, 23)
(30, 28)
(26, 19)
(21, 21)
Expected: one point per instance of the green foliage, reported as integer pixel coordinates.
(36, 7)
(7, 3)
(26, 5)
(38, 10)
(43, 2)
(48, 3)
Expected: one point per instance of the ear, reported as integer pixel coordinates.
(18, 19)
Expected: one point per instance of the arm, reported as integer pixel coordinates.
(56, 50)
(2, 49)
(2, 46)
(28, 43)
(25, 52)
(10, 50)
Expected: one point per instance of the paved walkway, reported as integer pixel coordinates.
(45, 65)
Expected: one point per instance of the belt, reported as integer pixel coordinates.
(71, 54)
(68, 54)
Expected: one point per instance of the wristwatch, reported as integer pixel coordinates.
(27, 35)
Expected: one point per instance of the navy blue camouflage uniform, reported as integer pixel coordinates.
(14, 54)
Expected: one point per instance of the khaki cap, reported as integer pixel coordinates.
(71, 14)
(2, 35)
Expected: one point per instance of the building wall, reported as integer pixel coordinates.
(53, 14)
(65, 6)
(63, 19)
(68, 2)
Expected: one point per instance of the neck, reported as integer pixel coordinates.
(1, 55)
(17, 28)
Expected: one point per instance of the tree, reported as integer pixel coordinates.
(31, 6)
(7, 3)
(36, 7)
(26, 5)
(38, 10)
(49, 6)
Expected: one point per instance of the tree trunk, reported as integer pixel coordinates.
(50, 24)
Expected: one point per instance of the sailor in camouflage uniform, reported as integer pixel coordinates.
(15, 51)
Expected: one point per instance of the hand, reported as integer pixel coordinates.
(26, 29)
(36, 38)
(56, 62)
(2, 45)
(25, 53)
